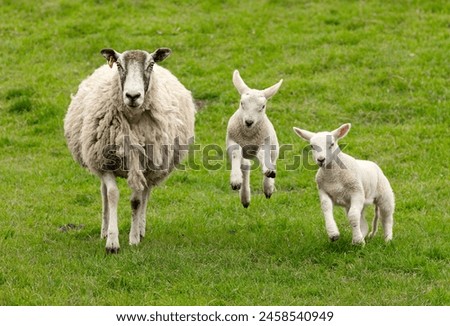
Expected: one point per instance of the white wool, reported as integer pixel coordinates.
(345, 181)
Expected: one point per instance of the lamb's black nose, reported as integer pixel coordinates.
(321, 161)
(248, 123)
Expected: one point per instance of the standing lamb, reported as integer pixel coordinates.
(353, 184)
(251, 134)
(129, 120)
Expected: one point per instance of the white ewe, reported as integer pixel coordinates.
(353, 184)
(129, 120)
(251, 134)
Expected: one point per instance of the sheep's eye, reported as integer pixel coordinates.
(150, 66)
(332, 144)
(242, 104)
(263, 107)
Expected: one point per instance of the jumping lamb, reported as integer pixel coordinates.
(250, 134)
(130, 119)
(351, 183)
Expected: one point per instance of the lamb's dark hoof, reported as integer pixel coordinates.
(334, 238)
(112, 250)
(271, 174)
(245, 205)
(236, 186)
(268, 196)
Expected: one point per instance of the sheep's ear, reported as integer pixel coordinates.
(110, 55)
(342, 131)
(239, 83)
(272, 90)
(305, 134)
(160, 54)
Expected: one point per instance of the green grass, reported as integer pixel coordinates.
(383, 66)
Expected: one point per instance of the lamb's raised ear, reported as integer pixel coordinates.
(342, 131)
(305, 134)
(160, 54)
(272, 90)
(110, 55)
(239, 83)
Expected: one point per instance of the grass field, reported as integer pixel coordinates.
(381, 65)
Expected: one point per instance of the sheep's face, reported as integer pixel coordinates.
(253, 102)
(324, 146)
(135, 71)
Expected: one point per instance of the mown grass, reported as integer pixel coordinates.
(382, 66)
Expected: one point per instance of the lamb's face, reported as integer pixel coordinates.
(253, 108)
(253, 101)
(135, 71)
(324, 145)
(324, 148)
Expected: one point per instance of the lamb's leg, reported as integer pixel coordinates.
(245, 190)
(269, 183)
(235, 154)
(268, 168)
(387, 220)
(354, 216)
(327, 208)
(375, 222)
(112, 193)
(269, 186)
(363, 224)
(105, 211)
(143, 219)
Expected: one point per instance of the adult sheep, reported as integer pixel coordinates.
(129, 119)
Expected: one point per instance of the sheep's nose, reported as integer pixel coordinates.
(133, 96)
(321, 160)
(248, 123)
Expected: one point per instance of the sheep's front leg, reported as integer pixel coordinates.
(143, 218)
(138, 202)
(354, 216)
(112, 194)
(327, 208)
(105, 211)
(235, 154)
(245, 190)
(269, 183)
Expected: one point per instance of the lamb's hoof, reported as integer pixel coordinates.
(270, 173)
(235, 186)
(268, 195)
(359, 242)
(334, 238)
(245, 205)
(112, 250)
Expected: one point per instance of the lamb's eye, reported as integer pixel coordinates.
(150, 66)
(242, 104)
(332, 144)
(263, 107)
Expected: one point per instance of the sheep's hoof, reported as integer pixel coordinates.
(268, 195)
(112, 250)
(334, 238)
(270, 173)
(235, 186)
(245, 205)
